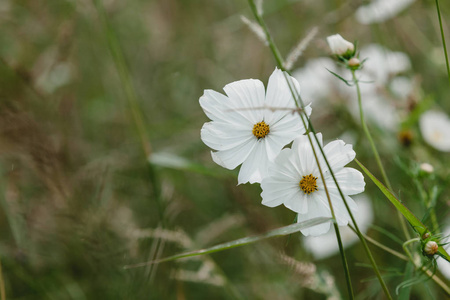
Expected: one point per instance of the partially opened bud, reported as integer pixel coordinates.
(427, 168)
(354, 62)
(431, 248)
(339, 46)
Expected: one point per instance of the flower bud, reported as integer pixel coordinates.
(354, 62)
(427, 168)
(431, 248)
(339, 46)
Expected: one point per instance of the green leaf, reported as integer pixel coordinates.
(173, 161)
(416, 224)
(240, 242)
(403, 290)
(339, 77)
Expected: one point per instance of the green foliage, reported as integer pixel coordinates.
(102, 165)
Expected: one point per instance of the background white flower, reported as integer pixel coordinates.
(326, 245)
(379, 11)
(250, 126)
(383, 89)
(443, 265)
(294, 180)
(435, 129)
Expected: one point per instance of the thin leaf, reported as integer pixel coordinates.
(173, 161)
(240, 242)
(404, 290)
(339, 77)
(412, 219)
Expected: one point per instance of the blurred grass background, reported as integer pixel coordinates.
(79, 197)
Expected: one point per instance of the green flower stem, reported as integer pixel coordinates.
(298, 100)
(426, 199)
(136, 114)
(428, 272)
(286, 230)
(280, 63)
(375, 151)
(420, 267)
(380, 245)
(2, 284)
(443, 38)
(336, 227)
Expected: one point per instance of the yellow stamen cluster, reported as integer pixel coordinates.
(260, 130)
(308, 184)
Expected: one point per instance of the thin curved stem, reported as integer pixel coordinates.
(280, 63)
(443, 38)
(2, 284)
(375, 151)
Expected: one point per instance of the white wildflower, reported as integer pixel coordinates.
(250, 126)
(443, 265)
(435, 129)
(294, 180)
(379, 11)
(326, 245)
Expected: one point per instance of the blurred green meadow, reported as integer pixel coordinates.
(102, 165)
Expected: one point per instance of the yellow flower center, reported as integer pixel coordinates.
(261, 129)
(308, 184)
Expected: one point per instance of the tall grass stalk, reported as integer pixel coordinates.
(281, 65)
(375, 151)
(132, 99)
(298, 101)
(2, 284)
(438, 8)
(428, 272)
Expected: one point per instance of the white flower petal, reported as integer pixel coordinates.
(435, 129)
(304, 157)
(351, 181)
(275, 193)
(379, 11)
(279, 95)
(288, 169)
(234, 117)
(219, 108)
(339, 45)
(338, 154)
(443, 265)
(299, 202)
(247, 94)
(254, 168)
(326, 245)
(214, 136)
(231, 158)
(316, 209)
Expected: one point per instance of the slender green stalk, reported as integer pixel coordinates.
(428, 272)
(443, 38)
(2, 284)
(286, 230)
(428, 203)
(375, 151)
(298, 100)
(336, 227)
(297, 97)
(132, 98)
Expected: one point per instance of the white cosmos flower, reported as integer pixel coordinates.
(249, 125)
(443, 265)
(326, 245)
(294, 180)
(435, 129)
(379, 11)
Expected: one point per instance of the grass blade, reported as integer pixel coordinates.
(240, 242)
(418, 226)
